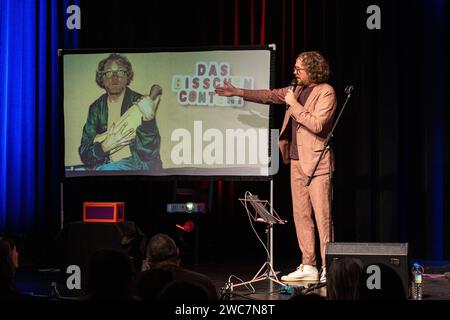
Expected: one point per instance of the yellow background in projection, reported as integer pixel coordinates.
(80, 90)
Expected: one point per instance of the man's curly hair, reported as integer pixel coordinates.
(316, 65)
(119, 59)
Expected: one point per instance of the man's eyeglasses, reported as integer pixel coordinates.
(118, 73)
(298, 69)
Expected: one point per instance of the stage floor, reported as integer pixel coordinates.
(436, 285)
(436, 281)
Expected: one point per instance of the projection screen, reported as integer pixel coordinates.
(155, 113)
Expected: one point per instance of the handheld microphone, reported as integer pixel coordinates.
(292, 86)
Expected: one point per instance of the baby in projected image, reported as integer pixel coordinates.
(121, 132)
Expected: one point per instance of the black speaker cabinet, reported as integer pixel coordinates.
(390, 256)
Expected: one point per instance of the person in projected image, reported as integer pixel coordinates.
(307, 122)
(121, 132)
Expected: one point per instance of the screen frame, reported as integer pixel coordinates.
(130, 174)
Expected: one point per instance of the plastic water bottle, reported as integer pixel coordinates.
(417, 285)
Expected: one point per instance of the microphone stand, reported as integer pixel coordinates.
(348, 91)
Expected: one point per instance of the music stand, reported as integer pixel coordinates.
(265, 213)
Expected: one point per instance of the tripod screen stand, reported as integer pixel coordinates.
(262, 211)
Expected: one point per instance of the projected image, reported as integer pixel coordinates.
(156, 113)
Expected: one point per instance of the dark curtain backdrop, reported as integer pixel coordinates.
(391, 150)
(30, 156)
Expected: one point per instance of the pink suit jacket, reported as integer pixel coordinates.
(315, 120)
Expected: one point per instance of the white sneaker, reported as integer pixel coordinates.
(323, 275)
(303, 272)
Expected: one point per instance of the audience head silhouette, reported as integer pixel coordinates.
(151, 283)
(162, 249)
(110, 275)
(163, 278)
(343, 279)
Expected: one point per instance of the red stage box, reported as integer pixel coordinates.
(103, 211)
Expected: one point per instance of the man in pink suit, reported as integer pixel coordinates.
(307, 122)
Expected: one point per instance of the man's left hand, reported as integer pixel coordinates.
(289, 98)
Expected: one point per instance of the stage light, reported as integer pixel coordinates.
(189, 207)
